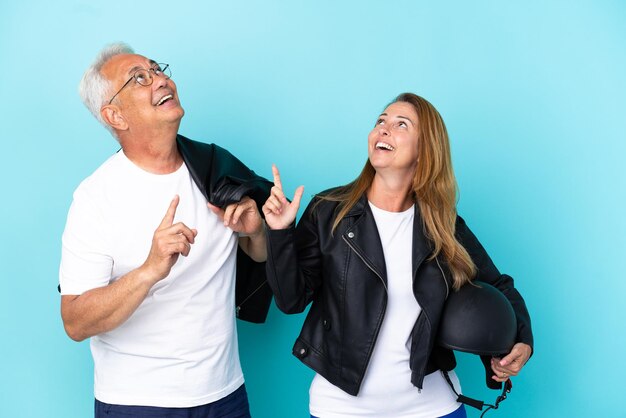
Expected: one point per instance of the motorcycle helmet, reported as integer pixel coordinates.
(478, 319)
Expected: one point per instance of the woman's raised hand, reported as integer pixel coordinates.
(279, 212)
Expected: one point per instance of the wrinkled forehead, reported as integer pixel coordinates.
(122, 66)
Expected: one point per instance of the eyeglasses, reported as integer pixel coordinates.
(144, 78)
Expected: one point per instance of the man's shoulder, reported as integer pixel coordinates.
(107, 172)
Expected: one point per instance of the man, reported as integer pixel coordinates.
(147, 270)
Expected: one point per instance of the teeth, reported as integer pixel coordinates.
(384, 145)
(163, 99)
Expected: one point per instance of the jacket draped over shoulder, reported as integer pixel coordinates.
(223, 180)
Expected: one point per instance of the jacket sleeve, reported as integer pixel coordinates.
(293, 264)
(488, 273)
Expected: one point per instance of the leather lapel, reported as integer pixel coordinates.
(365, 240)
(422, 246)
(362, 235)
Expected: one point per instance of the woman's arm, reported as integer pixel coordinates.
(512, 363)
(293, 258)
(488, 273)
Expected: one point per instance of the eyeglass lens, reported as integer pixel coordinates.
(144, 77)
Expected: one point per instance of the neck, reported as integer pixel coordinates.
(392, 195)
(155, 152)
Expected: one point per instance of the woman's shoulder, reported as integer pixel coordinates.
(326, 202)
(332, 193)
(331, 197)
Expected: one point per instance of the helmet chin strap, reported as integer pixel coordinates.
(506, 388)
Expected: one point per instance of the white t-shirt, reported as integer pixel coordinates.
(179, 348)
(387, 391)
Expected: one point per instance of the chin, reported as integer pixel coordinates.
(180, 112)
(377, 163)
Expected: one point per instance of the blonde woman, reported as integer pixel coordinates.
(377, 259)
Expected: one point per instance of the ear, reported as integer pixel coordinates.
(113, 117)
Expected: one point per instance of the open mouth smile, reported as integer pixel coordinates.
(164, 99)
(384, 146)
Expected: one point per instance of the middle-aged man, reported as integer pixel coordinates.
(162, 326)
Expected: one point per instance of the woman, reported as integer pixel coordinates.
(377, 259)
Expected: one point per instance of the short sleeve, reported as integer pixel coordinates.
(86, 261)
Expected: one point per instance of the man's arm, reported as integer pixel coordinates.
(255, 246)
(105, 308)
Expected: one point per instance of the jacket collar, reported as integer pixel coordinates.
(198, 157)
(360, 233)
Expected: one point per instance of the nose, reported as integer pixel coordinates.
(382, 130)
(159, 80)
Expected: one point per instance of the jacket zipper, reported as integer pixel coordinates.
(444, 277)
(369, 355)
(238, 308)
(419, 390)
(366, 263)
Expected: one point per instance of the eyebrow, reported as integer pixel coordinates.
(134, 69)
(138, 67)
(400, 117)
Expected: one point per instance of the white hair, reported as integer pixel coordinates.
(93, 87)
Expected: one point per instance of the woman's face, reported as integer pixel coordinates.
(392, 144)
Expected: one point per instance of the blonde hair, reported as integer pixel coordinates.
(434, 189)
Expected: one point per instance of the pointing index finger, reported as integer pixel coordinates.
(168, 219)
(276, 174)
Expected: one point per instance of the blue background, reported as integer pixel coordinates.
(533, 96)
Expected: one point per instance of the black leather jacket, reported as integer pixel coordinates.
(223, 180)
(344, 275)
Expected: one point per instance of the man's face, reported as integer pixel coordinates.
(142, 106)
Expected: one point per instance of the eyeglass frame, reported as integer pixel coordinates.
(161, 68)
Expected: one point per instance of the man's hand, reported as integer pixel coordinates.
(169, 241)
(242, 217)
(279, 213)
